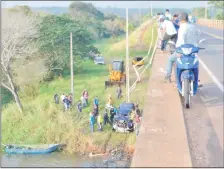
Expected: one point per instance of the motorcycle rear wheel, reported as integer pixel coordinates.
(186, 93)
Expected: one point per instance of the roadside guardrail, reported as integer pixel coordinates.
(211, 23)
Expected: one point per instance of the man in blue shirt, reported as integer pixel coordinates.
(176, 22)
(96, 101)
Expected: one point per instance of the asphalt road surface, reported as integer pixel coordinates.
(204, 119)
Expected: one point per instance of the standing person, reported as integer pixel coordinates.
(70, 99)
(190, 18)
(159, 16)
(92, 121)
(168, 15)
(79, 106)
(169, 32)
(109, 102)
(132, 115)
(95, 110)
(96, 101)
(176, 22)
(119, 92)
(56, 98)
(66, 103)
(62, 98)
(83, 101)
(137, 110)
(187, 34)
(86, 96)
(100, 122)
(112, 114)
(137, 123)
(105, 118)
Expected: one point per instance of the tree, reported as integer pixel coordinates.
(200, 12)
(115, 26)
(54, 41)
(217, 4)
(18, 34)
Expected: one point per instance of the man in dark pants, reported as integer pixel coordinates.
(169, 32)
(105, 118)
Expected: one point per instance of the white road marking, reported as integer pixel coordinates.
(215, 80)
(207, 99)
(215, 36)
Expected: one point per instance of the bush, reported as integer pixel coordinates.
(30, 91)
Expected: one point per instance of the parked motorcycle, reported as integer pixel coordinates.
(187, 71)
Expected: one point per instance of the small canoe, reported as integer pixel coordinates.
(31, 149)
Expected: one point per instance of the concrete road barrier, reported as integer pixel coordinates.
(162, 141)
(211, 23)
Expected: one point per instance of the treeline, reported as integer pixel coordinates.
(44, 39)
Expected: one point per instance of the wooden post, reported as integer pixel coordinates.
(72, 73)
(127, 60)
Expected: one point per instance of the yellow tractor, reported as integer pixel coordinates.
(117, 75)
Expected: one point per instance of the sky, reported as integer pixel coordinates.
(118, 4)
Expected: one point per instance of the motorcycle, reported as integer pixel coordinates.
(187, 71)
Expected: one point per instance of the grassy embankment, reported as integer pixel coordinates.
(44, 122)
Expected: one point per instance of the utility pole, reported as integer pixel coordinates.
(72, 73)
(140, 16)
(127, 60)
(206, 9)
(151, 8)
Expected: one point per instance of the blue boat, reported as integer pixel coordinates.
(31, 149)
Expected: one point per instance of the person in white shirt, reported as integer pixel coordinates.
(168, 15)
(169, 32)
(187, 34)
(62, 98)
(159, 16)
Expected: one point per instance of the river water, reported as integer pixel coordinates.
(61, 160)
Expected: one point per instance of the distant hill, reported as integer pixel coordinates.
(117, 11)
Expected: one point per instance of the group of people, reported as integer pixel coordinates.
(168, 27)
(83, 100)
(181, 30)
(66, 100)
(95, 117)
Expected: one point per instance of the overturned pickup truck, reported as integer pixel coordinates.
(121, 122)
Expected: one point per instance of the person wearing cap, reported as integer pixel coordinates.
(169, 31)
(168, 15)
(187, 34)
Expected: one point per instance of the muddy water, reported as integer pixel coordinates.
(62, 160)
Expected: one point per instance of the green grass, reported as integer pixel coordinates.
(42, 121)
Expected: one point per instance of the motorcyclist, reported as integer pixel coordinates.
(187, 34)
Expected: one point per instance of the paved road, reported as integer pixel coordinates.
(204, 120)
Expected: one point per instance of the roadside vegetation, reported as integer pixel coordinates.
(40, 120)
